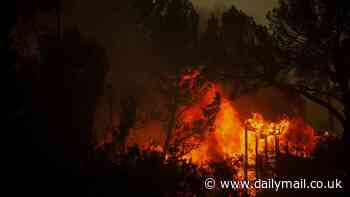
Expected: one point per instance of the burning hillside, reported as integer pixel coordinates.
(207, 128)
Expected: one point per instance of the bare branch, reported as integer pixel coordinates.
(315, 99)
(305, 88)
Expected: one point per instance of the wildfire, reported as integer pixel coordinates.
(296, 137)
(300, 139)
(209, 130)
(226, 138)
(213, 126)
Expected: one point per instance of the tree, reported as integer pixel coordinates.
(239, 51)
(65, 96)
(212, 51)
(312, 36)
(127, 120)
(172, 27)
(190, 87)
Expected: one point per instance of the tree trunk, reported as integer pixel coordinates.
(170, 128)
(172, 121)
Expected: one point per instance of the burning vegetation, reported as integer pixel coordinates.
(206, 128)
(245, 116)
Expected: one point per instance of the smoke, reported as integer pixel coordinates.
(272, 103)
(256, 8)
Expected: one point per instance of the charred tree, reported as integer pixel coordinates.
(127, 121)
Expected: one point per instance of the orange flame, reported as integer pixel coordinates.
(300, 139)
(224, 139)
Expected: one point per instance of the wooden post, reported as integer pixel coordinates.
(277, 146)
(277, 150)
(266, 155)
(246, 154)
(257, 154)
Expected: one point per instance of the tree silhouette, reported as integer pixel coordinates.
(238, 50)
(172, 26)
(181, 92)
(127, 120)
(65, 96)
(212, 51)
(312, 36)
